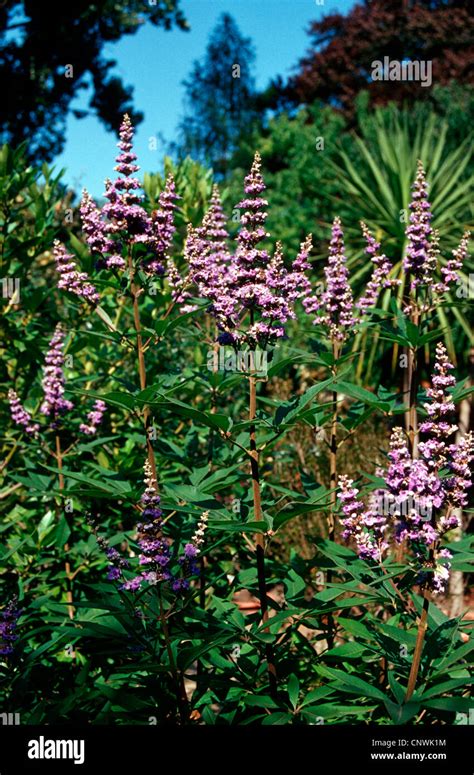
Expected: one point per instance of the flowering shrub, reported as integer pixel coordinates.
(173, 599)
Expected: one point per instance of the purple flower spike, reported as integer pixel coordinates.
(250, 259)
(54, 402)
(450, 272)
(299, 286)
(155, 551)
(420, 260)
(380, 275)
(163, 228)
(418, 495)
(364, 526)
(70, 279)
(123, 210)
(94, 419)
(8, 626)
(20, 416)
(336, 309)
(95, 229)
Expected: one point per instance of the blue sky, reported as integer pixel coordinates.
(155, 62)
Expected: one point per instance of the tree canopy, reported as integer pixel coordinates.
(219, 100)
(47, 58)
(338, 64)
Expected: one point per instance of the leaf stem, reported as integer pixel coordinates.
(67, 564)
(259, 538)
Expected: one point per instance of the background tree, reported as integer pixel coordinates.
(338, 64)
(219, 101)
(36, 48)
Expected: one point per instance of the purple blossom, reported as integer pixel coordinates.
(335, 308)
(193, 548)
(70, 279)
(123, 221)
(209, 260)
(380, 275)
(155, 549)
(450, 272)
(8, 626)
(94, 419)
(117, 563)
(362, 525)
(418, 494)
(438, 428)
(163, 228)
(54, 402)
(20, 415)
(299, 286)
(459, 458)
(251, 259)
(251, 293)
(95, 229)
(420, 259)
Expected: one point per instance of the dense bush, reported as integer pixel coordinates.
(161, 381)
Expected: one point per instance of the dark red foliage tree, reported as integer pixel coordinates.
(339, 63)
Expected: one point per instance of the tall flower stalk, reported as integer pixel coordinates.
(117, 229)
(251, 296)
(55, 408)
(419, 500)
(158, 564)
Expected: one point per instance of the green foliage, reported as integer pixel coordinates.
(343, 630)
(36, 50)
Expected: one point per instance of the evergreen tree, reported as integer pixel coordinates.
(219, 101)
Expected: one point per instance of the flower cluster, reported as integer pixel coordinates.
(364, 525)
(209, 260)
(156, 552)
(20, 415)
(380, 275)
(123, 221)
(450, 272)
(419, 260)
(8, 626)
(421, 494)
(193, 548)
(251, 293)
(94, 419)
(54, 403)
(70, 279)
(422, 253)
(335, 309)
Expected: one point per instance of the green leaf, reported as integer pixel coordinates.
(351, 684)
(361, 394)
(400, 714)
(277, 718)
(259, 701)
(293, 689)
(455, 704)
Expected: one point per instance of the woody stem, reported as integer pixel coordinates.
(259, 539)
(67, 564)
(136, 292)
